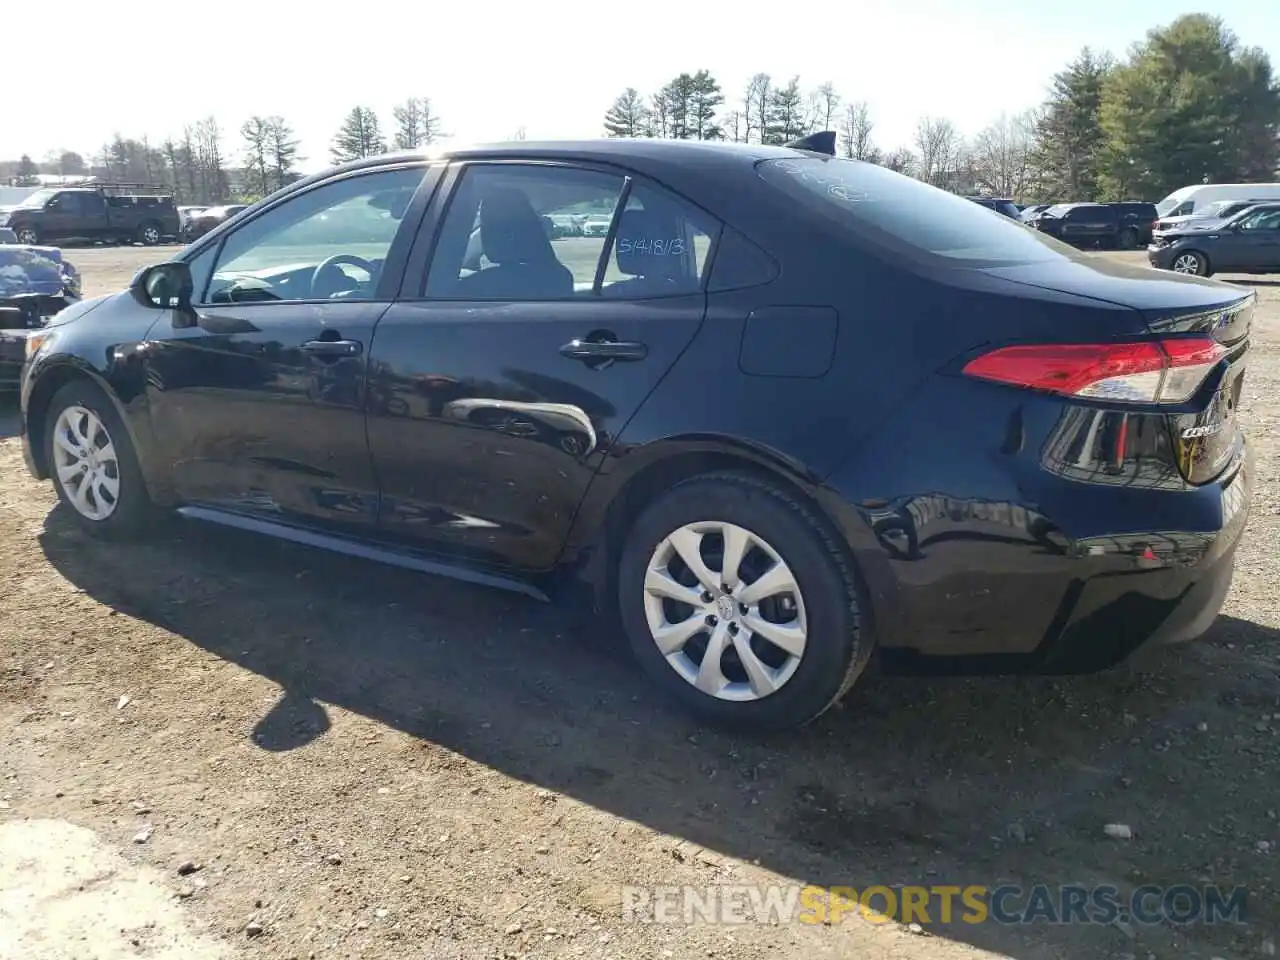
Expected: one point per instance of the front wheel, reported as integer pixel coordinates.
(93, 465)
(28, 236)
(739, 604)
(1128, 239)
(1191, 263)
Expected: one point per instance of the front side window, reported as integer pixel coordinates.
(908, 216)
(538, 232)
(1262, 220)
(327, 243)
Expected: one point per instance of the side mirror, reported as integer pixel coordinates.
(166, 286)
(163, 286)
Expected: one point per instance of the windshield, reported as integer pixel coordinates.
(1169, 203)
(902, 213)
(37, 199)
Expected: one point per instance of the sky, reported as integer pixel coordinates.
(138, 67)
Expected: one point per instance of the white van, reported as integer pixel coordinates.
(1189, 199)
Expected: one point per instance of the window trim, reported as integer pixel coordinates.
(392, 264)
(427, 241)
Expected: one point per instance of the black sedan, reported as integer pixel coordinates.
(783, 411)
(1248, 242)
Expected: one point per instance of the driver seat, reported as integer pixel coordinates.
(515, 240)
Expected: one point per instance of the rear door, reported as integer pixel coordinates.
(518, 352)
(96, 220)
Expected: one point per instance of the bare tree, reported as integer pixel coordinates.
(901, 160)
(824, 105)
(755, 108)
(257, 165)
(855, 129)
(417, 123)
(1001, 156)
(938, 143)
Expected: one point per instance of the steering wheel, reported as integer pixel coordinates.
(336, 261)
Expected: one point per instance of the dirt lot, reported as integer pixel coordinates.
(369, 763)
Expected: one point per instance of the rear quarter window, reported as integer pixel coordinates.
(906, 216)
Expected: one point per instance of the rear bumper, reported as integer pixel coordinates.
(1010, 566)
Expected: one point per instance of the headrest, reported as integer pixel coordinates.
(650, 245)
(511, 230)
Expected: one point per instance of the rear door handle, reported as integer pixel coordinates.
(333, 348)
(600, 351)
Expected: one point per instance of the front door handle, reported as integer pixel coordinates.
(333, 348)
(604, 351)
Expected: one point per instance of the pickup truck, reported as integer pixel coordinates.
(92, 213)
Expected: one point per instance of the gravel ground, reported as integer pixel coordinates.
(354, 761)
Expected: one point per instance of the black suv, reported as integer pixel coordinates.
(1080, 224)
(999, 205)
(1136, 221)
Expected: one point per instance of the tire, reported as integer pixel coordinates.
(28, 236)
(131, 514)
(149, 233)
(1191, 262)
(824, 613)
(1128, 239)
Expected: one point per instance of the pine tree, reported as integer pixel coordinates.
(282, 150)
(785, 120)
(1068, 139)
(628, 116)
(359, 136)
(705, 100)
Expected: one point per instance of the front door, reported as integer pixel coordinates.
(556, 299)
(62, 217)
(260, 404)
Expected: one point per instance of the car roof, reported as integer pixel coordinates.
(690, 156)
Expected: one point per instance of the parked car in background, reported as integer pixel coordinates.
(94, 213)
(1006, 207)
(1007, 447)
(204, 221)
(1029, 211)
(1136, 223)
(1218, 210)
(186, 214)
(1080, 224)
(1248, 242)
(35, 284)
(1191, 199)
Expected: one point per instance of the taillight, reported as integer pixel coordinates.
(1154, 371)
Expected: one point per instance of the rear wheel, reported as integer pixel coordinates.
(149, 234)
(93, 465)
(740, 605)
(1192, 263)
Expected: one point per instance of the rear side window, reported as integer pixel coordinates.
(908, 216)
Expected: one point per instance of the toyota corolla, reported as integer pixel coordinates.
(783, 411)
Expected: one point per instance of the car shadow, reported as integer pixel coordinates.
(979, 781)
(10, 416)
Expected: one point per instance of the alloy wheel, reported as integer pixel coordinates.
(86, 464)
(28, 237)
(150, 236)
(725, 610)
(1187, 263)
